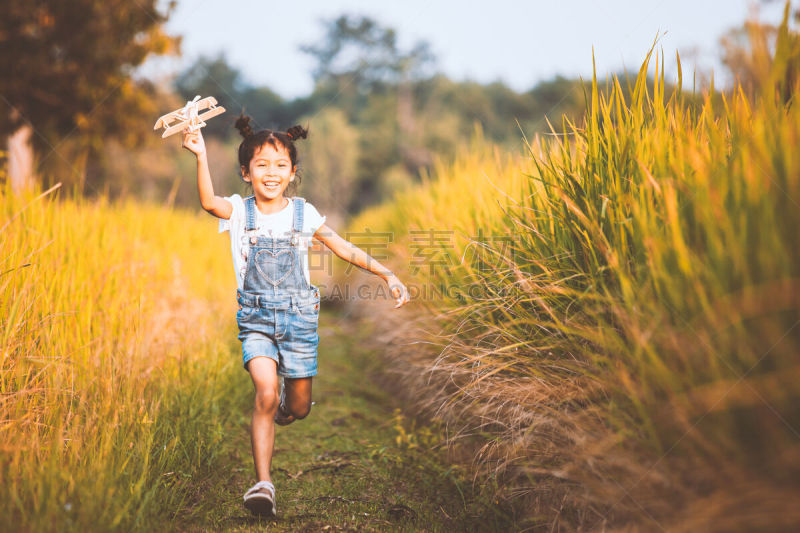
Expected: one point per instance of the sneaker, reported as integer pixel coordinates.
(260, 499)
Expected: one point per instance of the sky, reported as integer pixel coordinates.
(518, 42)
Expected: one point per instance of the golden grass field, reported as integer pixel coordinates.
(618, 347)
(115, 347)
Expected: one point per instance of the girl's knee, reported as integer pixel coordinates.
(266, 401)
(300, 411)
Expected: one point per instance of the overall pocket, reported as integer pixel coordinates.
(245, 312)
(309, 311)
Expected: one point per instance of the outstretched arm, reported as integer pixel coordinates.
(355, 255)
(216, 205)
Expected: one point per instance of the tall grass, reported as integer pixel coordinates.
(114, 382)
(631, 356)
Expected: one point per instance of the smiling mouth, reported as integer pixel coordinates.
(272, 185)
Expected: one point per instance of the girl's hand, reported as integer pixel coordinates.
(193, 141)
(398, 290)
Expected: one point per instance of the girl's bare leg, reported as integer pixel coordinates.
(298, 398)
(263, 371)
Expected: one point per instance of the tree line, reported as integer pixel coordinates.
(379, 115)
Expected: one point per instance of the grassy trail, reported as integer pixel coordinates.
(355, 464)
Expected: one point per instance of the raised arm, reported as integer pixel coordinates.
(355, 255)
(216, 205)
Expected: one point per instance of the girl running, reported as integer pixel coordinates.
(278, 306)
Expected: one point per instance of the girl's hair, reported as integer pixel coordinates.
(277, 139)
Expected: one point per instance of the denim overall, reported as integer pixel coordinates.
(279, 309)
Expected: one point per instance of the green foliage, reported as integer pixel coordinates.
(330, 161)
(359, 52)
(385, 102)
(217, 78)
(411, 436)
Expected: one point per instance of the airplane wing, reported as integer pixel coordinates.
(188, 116)
(164, 120)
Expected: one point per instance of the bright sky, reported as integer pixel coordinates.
(519, 42)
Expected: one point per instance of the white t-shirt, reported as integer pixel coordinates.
(273, 225)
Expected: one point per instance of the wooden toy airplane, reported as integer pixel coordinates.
(188, 116)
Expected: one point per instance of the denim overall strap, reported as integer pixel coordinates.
(299, 204)
(250, 213)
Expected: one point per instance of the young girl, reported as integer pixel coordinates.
(278, 306)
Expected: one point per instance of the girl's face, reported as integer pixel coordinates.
(270, 172)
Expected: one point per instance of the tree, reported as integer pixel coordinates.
(330, 163)
(358, 56)
(361, 68)
(366, 53)
(67, 72)
(216, 77)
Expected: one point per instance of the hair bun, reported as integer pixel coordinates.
(243, 125)
(297, 132)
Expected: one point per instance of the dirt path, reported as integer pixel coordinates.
(355, 464)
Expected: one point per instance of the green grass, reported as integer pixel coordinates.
(355, 464)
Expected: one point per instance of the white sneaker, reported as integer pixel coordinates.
(260, 499)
